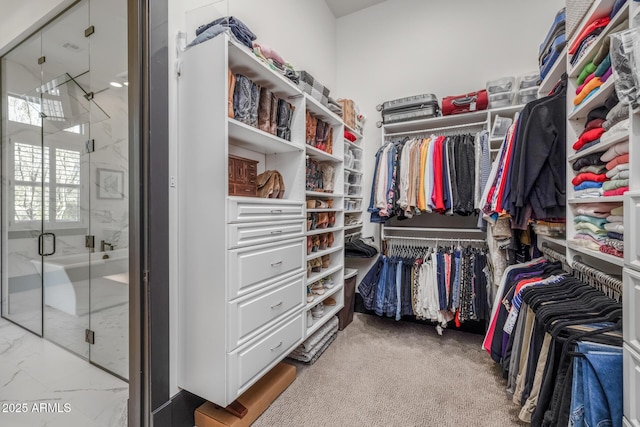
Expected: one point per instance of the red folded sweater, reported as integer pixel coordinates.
(348, 135)
(617, 192)
(587, 137)
(588, 176)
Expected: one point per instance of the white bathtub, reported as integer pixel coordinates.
(78, 283)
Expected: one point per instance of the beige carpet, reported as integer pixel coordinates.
(380, 372)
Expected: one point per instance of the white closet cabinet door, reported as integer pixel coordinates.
(257, 267)
(255, 210)
(631, 308)
(246, 234)
(250, 362)
(631, 379)
(632, 230)
(249, 316)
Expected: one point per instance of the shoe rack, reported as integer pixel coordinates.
(353, 187)
(325, 219)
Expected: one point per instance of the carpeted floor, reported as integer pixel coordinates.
(380, 372)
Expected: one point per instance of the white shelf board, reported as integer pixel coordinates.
(496, 139)
(352, 227)
(317, 299)
(321, 112)
(597, 254)
(622, 14)
(324, 273)
(355, 211)
(436, 122)
(254, 139)
(321, 156)
(353, 197)
(324, 251)
(582, 110)
(318, 323)
(323, 230)
(322, 194)
(556, 240)
(508, 110)
(242, 61)
(357, 134)
(553, 76)
(599, 147)
(359, 172)
(324, 210)
(602, 199)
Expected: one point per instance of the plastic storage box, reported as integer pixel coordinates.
(528, 95)
(501, 126)
(348, 161)
(357, 165)
(347, 188)
(355, 178)
(505, 84)
(529, 80)
(357, 154)
(355, 190)
(503, 99)
(347, 175)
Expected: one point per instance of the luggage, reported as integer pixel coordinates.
(410, 108)
(473, 101)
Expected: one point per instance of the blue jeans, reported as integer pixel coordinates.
(596, 399)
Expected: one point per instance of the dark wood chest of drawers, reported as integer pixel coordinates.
(242, 177)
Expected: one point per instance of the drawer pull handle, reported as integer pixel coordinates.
(276, 305)
(276, 232)
(273, 348)
(276, 210)
(274, 264)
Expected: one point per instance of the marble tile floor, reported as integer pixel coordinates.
(34, 371)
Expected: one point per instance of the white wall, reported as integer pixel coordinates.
(302, 31)
(19, 19)
(408, 47)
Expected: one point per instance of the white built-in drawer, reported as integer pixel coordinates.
(246, 234)
(632, 230)
(258, 210)
(631, 308)
(257, 267)
(250, 315)
(250, 362)
(631, 390)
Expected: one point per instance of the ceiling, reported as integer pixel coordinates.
(341, 8)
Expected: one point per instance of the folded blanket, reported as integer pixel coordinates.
(624, 158)
(618, 210)
(615, 218)
(616, 227)
(594, 237)
(588, 193)
(614, 235)
(598, 222)
(620, 168)
(611, 251)
(593, 228)
(588, 176)
(598, 210)
(614, 243)
(586, 243)
(617, 192)
(615, 151)
(614, 184)
(584, 185)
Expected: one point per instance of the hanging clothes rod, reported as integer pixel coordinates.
(435, 239)
(431, 131)
(430, 230)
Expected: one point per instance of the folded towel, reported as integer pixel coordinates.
(598, 222)
(588, 193)
(583, 225)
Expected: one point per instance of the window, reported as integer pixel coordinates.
(54, 171)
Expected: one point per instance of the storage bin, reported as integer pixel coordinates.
(345, 316)
(348, 161)
(357, 204)
(357, 154)
(347, 188)
(529, 80)
(355, 178)
(502, 99)
(355, 190)
(528, 95)
(501, 126)
(351, 205)
(347, 175)
(505, 84)
(357, 164)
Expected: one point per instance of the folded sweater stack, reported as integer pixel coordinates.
(310, 350)
(599, 227)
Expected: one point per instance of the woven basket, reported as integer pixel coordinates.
(576, 9)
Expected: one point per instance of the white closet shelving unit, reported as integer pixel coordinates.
(629, 267)
(353, 186)
(335, 270)
(242, 260)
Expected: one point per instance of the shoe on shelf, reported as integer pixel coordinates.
(317, 288)
(323, 241)
(330, 239)
(309, 319)
(316, 265)
(309, 269)
(310, 296)
(328, 282)
(332, 219)
(330, 301)
(326, 261)
(309, 244)
(311, 203)
(316, 243)
(317, 311)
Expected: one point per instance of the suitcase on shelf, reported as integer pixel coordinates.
(468, 102)
(409, 108)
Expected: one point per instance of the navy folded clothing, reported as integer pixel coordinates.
(553, 55)
(237, 27)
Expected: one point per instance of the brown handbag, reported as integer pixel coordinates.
(273, 121)
(265, 183)
(232, 87)
(264, 110)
